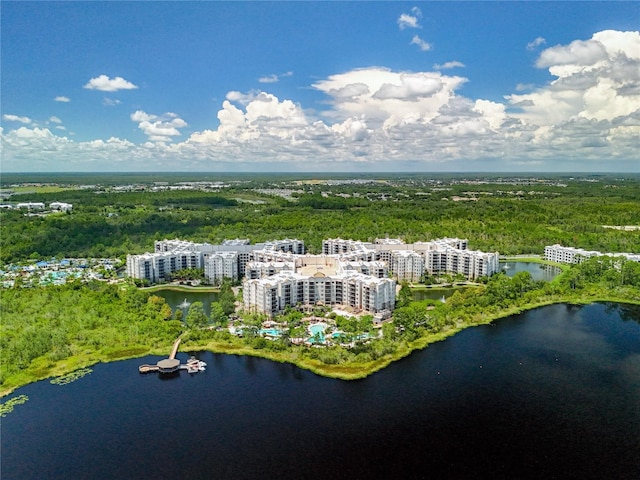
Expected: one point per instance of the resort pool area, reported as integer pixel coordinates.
(272, 332)
(317, 332)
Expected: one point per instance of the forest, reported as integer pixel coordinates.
(508, 215)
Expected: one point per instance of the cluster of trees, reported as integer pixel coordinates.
(41, 326)
(114, 224)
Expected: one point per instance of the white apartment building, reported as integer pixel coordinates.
(220, 265)
(558, 253)
(410, 261)
(288, 245)
(337, 246)
(237, 259)
(272, 295)
(374, 268)
(263, 269)
(407, 265)
(156, 267)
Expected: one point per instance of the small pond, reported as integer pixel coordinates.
(538, 271)
(176, 299)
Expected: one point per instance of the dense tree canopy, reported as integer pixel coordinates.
(511, 219)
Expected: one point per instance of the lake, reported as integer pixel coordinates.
(551, 393)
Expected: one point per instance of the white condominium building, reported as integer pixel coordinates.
(156, 267)
(237, 259)
(407, 265)
(337, 246)
(287, 245)
(374, 268)
(409, 261)
(220, 265)
(262, 269)
(273, 294)
(470, 263)
(558, 253)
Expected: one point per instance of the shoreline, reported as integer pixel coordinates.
(181, 288)
(345, 371)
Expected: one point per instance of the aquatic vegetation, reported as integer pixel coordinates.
(71, 376)
(7, 407)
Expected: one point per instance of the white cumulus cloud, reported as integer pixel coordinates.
(158, 128)
(62, 99)
(106, 84)
(422, 45)
(596, 79)
(16, 118)
(412, 20)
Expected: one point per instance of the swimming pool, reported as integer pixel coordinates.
(272, 332)
(317, 332)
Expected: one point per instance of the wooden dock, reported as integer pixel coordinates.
(172, 365)
(175, 349)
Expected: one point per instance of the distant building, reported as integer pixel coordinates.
(31, 205)
(559, 254)
(61, 206)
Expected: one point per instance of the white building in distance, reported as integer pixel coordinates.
(559, 254)
(61, 206)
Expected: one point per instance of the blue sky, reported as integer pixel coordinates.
(320, 86)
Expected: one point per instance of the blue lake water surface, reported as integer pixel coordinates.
(551, 393)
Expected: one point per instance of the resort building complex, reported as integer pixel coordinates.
(357, 275)
(319, 280)
(558, 253)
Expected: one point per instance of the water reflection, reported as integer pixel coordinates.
(178, 299)
(538, 271)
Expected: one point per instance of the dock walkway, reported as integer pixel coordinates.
(171, 364)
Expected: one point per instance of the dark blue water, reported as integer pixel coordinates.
(552, 393)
